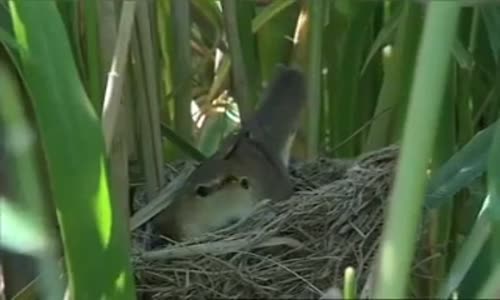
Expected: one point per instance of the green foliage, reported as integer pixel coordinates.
(23, 224)
(426, 94)
(314, 70)
(426, 77)
(181, 71)
(92, 229)
(273, 25)
(349, 283)
(461, 169)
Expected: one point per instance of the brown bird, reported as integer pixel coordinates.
(250, 165)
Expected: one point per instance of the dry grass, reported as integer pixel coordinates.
(291, 249)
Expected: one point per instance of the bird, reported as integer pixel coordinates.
(250, 165)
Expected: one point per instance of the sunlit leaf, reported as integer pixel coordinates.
(93, 229)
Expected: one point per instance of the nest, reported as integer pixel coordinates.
(297, 248)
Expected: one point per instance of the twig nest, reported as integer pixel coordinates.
(298, 248)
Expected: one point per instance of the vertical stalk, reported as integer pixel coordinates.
(237, 20)
(400, 231)
(441, 218)
(345, 84)
(316, 17)
(393, 96)
(93, 58)
(181, 63)
(150, 107)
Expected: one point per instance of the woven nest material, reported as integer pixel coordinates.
(294, 249)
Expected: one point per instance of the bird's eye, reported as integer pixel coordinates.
(230, 179)
(244, 183)
(202, 191)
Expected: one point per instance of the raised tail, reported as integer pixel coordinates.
(275, 122)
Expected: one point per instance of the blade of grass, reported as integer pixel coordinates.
(467, 254)
(461, 169)
(408, 192)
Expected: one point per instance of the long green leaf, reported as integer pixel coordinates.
(441, 219)
(494, 194)
(94, 235)
(461, 169)
(466, 256)
(400, 231)
(486, 226)
(314, 63)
